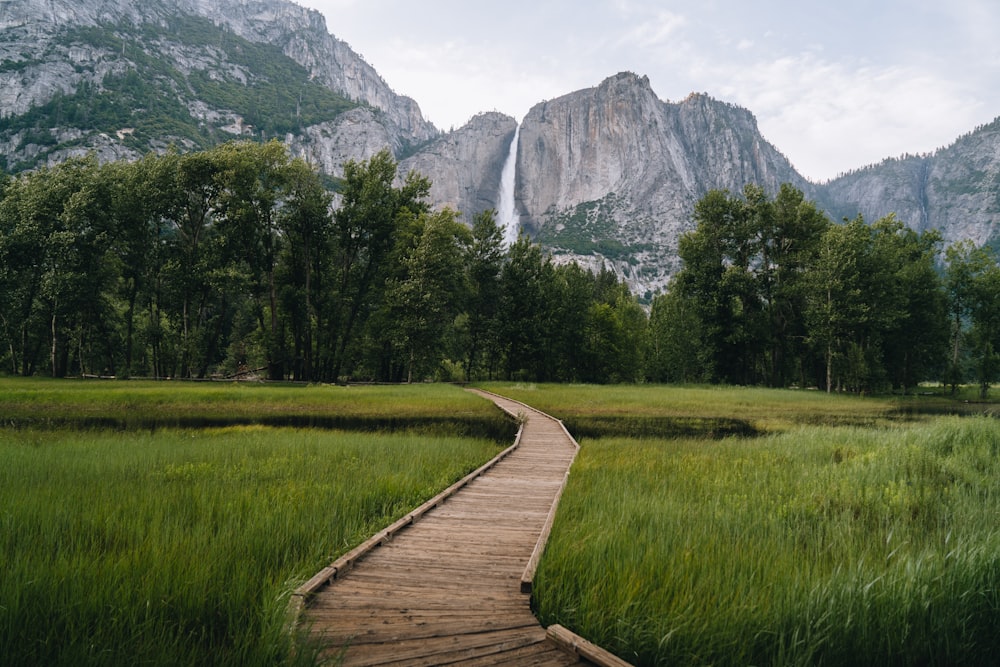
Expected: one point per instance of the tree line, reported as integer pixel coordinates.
(773, 293)
(234, 261)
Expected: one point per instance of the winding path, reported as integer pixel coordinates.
(444, 585)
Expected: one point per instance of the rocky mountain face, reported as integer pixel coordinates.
(121, 77)
(465, 166)
(955, 190)
(610, 175)
(606, 177)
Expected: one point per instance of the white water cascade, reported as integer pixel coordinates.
(507, 217)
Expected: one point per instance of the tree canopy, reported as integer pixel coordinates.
(236, 261)
(774, 293)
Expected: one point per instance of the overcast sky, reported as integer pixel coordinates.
(834, 84)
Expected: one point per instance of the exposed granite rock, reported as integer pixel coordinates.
(38, 64)
(464, 166)
(303, 36)
(610, 175)
(955, 190)
(355, 135)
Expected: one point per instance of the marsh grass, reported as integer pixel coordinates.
(436, 408)
(181, 547)
(684, 411)
(818, 545)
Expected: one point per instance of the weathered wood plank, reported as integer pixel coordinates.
(444, 650)
(577, 645)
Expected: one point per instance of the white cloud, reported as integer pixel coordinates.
(653, 30)
(832, 117)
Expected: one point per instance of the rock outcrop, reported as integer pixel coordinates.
(464, 166)
(610, 175)
(302, 35)
(54, 49)
(955, 190)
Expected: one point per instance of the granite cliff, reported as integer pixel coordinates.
(610, 175)
(121, 77)
(464, 166)
(955, 190)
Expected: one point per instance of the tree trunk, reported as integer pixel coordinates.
(829, 367)
(275, 371)
(52, 351)
(130, 329)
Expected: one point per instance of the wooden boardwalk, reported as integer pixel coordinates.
(444, 585)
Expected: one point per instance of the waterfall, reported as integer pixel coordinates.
(508, 219)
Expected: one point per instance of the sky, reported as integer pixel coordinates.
(835, 85)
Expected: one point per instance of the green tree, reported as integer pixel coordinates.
(838, 308)
(675, 351)
(307, 227)
(191, 305)
(484, 260)
(252, 184)
(876, 306)
(964, 265)
(365, 227)
(427, 300)
(526, 283)
(911, 303)
(614, 332)
(139, 206)
(55, 275)
(791, 233)
(744, 276)
(985, 320)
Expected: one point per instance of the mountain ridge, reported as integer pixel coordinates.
(606, 176)
(52, 49)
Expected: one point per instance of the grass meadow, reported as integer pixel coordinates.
(167, 546)
(840, 535)
(435, 408)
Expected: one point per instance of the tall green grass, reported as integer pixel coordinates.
(181, 547)
(819, 545)
(145, 404)
(676, 411)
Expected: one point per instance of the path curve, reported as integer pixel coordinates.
(444, 585)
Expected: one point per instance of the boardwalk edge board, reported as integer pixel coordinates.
(528, 578)
(300, 597)
(574, 644)
(565, 639)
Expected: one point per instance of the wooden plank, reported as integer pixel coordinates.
(444, 650)
(535, 655)
(528, 578)
(577, 645)
(327, 574)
